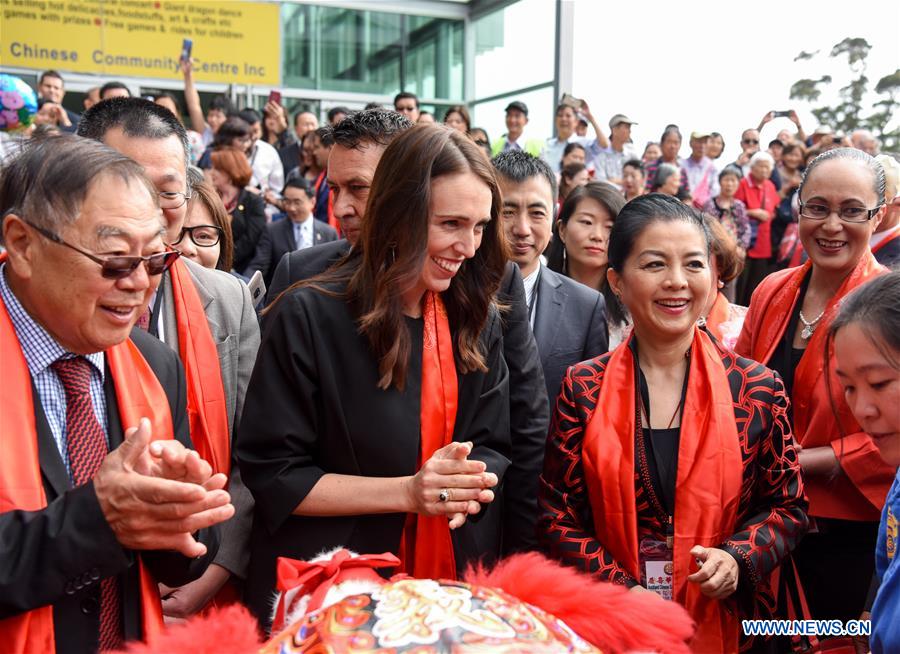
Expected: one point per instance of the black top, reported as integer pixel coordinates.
(248, 222)
(662, 459)
(786, 357)
(529, 410)
(313, 407)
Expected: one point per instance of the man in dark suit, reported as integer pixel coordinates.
(297, 231)
(568, 318)
(153, 137)
(88, 506)
(359, 141)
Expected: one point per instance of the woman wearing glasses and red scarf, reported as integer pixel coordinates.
(377, 415)
(841, 204)
(670, 465)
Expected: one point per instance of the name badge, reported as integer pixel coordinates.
(656, 567)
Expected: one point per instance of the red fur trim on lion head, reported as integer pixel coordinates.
(606, 615)
(231, 630)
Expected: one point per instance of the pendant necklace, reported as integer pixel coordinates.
(809, 326)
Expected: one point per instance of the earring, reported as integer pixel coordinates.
(720, 284)
(393, 254)
(565, 267)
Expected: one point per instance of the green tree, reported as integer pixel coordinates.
(850, 112)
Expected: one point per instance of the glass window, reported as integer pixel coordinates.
(507, 58)
(337, 49)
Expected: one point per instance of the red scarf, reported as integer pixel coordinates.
(139, 394)
(332, 219)
(207, 411)
(428, 537)
(718, 314)
(771, 308)
(708, 483)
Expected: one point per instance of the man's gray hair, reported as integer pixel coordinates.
(47, 182)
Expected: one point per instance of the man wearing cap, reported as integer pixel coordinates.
(581, 127)
(700, 170)
(609, 162)
(516, 119)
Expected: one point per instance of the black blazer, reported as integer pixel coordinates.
(569, 326)
(529, 409)
(303, 264)
(279, 240)
(313, 407)
(58, 555)
(248, 224)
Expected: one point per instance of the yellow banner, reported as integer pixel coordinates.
(232, 41)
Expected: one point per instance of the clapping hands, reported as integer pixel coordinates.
(154, 495)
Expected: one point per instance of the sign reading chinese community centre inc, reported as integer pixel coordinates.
(236, 42)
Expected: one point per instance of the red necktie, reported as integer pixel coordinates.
(143, 320)
(87, 447)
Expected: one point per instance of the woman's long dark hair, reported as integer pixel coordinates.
(391, 251)
(606, 194)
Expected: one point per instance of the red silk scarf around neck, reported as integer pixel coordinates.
(332, 219)
(427, 549)
(707, 487)
(207, 411)
(139, 395)
(814, 425)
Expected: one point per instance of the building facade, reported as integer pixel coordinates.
(480, 53)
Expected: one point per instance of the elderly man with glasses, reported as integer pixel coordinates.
(100, 494)
(218, 352)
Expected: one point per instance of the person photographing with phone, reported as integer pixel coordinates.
(566, 120)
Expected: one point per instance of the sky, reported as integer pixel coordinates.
(716, 66)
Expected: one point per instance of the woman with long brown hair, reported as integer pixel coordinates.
(377, 416)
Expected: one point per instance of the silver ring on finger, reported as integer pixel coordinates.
(444, 495)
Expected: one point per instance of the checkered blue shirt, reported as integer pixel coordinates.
(41, 350)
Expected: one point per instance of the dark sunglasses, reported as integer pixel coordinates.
(750, 141)
(119, 267)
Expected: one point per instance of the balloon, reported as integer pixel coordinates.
(18, 104)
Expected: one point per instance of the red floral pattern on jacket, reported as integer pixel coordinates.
(772, 508)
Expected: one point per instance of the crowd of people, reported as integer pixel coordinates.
(670, 374)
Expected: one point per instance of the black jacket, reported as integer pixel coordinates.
(58, 555)
(248, 224)
(529, 410)
(313, 407)
(278, 240)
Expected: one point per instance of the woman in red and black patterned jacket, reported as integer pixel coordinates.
(671, 452)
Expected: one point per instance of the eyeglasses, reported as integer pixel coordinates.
(203, 236)
(815, 211)
(750, 141)
(119, 267)
(481, 142)
(172, 199)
